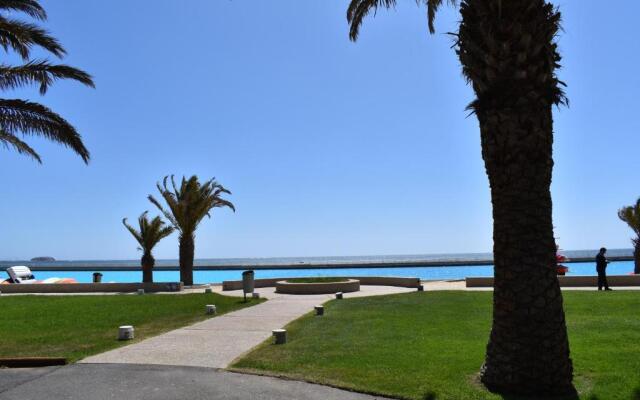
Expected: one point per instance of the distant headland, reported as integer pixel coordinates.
(43, 259)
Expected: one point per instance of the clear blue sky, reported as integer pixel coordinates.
(329, 147)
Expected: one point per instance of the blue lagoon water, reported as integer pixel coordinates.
(424, 273)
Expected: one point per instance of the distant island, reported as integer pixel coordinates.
(43, 259)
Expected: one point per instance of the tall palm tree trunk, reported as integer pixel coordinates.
(187, 250)
(508, 53)
(147, 262)
(528, 350)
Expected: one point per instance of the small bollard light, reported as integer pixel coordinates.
(339, 295)
(280, 336)
(420, 288)
(140, 291)
(319, 310)
(255, 295)
(211, 309)
(125, 332)
(208, 290)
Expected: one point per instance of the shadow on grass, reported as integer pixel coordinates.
(635, 395)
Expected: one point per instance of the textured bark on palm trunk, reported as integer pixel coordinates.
(528, 350)
(508, 53)
(147, 262)
(186, 259)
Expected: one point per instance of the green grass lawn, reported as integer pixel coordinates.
(431, 345)
(77, 326)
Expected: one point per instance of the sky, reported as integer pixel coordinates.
(331, 148)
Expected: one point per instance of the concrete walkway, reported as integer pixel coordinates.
(143, 382)
(216, 342)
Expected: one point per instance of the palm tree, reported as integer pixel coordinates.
(21, 118)
(631, 215)
(150, 233)
(187, 206)
(509, 56)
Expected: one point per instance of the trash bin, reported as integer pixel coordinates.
(247, 282)
(97, 277)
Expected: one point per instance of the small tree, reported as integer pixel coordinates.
(187, 206)
(150, 233)
(631, 215)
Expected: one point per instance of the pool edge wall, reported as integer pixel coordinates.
(568, 281)
(90, 287)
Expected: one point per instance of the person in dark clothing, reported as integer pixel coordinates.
(601, 267)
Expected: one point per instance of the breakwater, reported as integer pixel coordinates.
(96, 266)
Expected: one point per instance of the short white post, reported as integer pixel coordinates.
(140, 291)
(125, 332)
(339, 295)
(255, 295)
(280, 336)
(211, 309)
(319, 310)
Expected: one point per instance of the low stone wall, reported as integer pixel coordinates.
(351, 285)
(364, 280)
(91, 287)
(570, 281)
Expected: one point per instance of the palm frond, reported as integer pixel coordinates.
(40, 72)
(432, 9)
(10, 141)
(189, 201)
(22, 36)
(166, 213)
(137, 235)
(359, 9)
(631, 215)
(30, 7)
(151, 232)
(28, 118)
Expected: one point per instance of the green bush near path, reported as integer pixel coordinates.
(432, 344)
(78, 326)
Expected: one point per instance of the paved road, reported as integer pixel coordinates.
(157, 382)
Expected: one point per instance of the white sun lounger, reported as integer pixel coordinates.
(21, 274)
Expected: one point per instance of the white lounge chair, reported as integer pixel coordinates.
(21, 274)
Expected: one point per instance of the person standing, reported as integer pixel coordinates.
(601, 267)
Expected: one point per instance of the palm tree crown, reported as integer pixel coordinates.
(190, 203)
(187, 205)
(150, 231)
(19, 118)
(631, 215)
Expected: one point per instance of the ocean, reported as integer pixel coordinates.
(431, 259)
(437, 268)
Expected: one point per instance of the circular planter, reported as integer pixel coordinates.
(350, 285)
